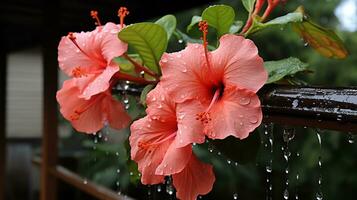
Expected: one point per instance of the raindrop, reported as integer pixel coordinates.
(118, 171)
(319, 195)
(306, 44)
(253, 120)
(268, 169)
(286, 194)
(288, 136)
(127, 106)
(126, 100)
(295, 103)
(351, 139)
(235, 196)
(85, 181)
(179, 55)
(268, 133)
(95, 140)
(180, 41)
(164, 60)
(244, 101)
(159, 188)
(184, 70)
(169, 187)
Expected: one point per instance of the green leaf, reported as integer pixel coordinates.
(195, 20)
(236, 26)
(168, 22)
(281, 68)
(144, 93)
(288, 18)
(248, 5)
(221, 17)
(148, 39)
(323, 40)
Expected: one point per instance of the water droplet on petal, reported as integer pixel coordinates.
(244, 101)
(164, 60)
(179, 55)
(253, 120)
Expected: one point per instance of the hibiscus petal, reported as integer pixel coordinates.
(242, 65)
(238, 113)
(160, 105)
(111, 46)
(100, 83)
(185, 74)
(189, 130)
(70, 57)
(149, 131)
(196, 179)
(67, 98)
(89, 121)
(116, 114)
(175, 160)
(92, 119)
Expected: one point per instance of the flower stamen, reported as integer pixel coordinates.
(203, 26)
(122, 13)
(94, 15)
(205, 117)
(78, 72)
(73, 38)
(145, 145)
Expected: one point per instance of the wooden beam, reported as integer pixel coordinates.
(50, 80)
(325, 108)
(79, 183)
(3, 73)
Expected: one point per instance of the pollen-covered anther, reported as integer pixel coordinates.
(122, 13)
(78, 72)
(71, 36)
(204, 117)
(75, 116)
(94, 15)
(143, 144)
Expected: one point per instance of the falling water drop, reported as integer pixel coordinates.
(319, 194)
(288, 136)
(286, 194)
(235, 196)
(268, 133)
(180, 41)
(169, 187)
(350, 138)
(159, 188)
(85, 181)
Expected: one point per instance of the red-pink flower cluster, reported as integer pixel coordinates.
(201, 94)
(85, 100)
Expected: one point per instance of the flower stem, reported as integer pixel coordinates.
(128, 77)
(140, 67)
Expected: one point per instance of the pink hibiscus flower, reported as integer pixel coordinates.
(88, 57)
(224, 81)
(89, 116)
(157, 145)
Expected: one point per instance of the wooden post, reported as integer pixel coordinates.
(50, 79)
(3, 72)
